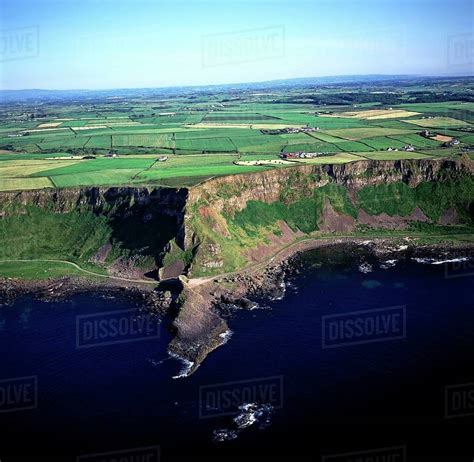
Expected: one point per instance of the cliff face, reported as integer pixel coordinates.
(236, 191)
(228, 222)
(98, 200)
(123, 230)
(225, 224)
(231, 221)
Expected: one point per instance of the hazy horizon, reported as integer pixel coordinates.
(101, 45)
(250, 82)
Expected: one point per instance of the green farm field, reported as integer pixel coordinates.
(120, 142)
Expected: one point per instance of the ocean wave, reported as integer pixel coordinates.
(282, 286)
(388, 264)
(366, 268)
(187, 366)
(435, 261)
(223, 434)
(259, 306)
(250, 414)
(225, 336)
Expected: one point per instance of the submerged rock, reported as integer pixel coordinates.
(218, 436)
(250, 414)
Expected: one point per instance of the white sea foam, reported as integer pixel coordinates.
(225, 336)
(187, 366)
(224, 434)
(254, 306)
(282, 285)
(434, 261)
(250, 414)
(365, 268)
(388, 264)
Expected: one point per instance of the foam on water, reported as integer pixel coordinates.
(283, 292)
(434, 261)
(388, 264)
(365, 268)
(250, 414)
(225, 336)
(218, 436)
(187, 366)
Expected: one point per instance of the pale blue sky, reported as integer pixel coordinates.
(124, 43)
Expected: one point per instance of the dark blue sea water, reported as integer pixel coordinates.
(348, 362)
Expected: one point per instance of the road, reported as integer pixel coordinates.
(258, 266)
(194, 282)
(75, 265)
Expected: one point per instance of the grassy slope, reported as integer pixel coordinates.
(33, 270)
(37, 233)
(76, 236)
(34, 233)
(253, 225)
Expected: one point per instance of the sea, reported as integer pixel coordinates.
(367, 361)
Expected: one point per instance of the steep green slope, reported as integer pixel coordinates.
(117, 230)
(230, 222)
(236, 221)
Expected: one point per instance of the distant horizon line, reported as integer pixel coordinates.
(164, 87)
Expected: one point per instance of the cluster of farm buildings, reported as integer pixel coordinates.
(407, 148)
(284, 131)
(303, 155)
(447, 144)
(310, 155)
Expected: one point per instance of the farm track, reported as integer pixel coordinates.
(300, 245)
(293, 247)
(75, 265)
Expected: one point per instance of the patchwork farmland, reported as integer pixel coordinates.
(185, 138)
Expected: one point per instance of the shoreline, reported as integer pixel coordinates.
(60, 288)
(198, 333)
(316, 242)
(70, 285)
(197, 305)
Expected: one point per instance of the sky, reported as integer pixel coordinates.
(102, 44)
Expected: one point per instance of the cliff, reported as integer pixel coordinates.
(228, 222)
(234, 222)
(124, 231)
(231, 221)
